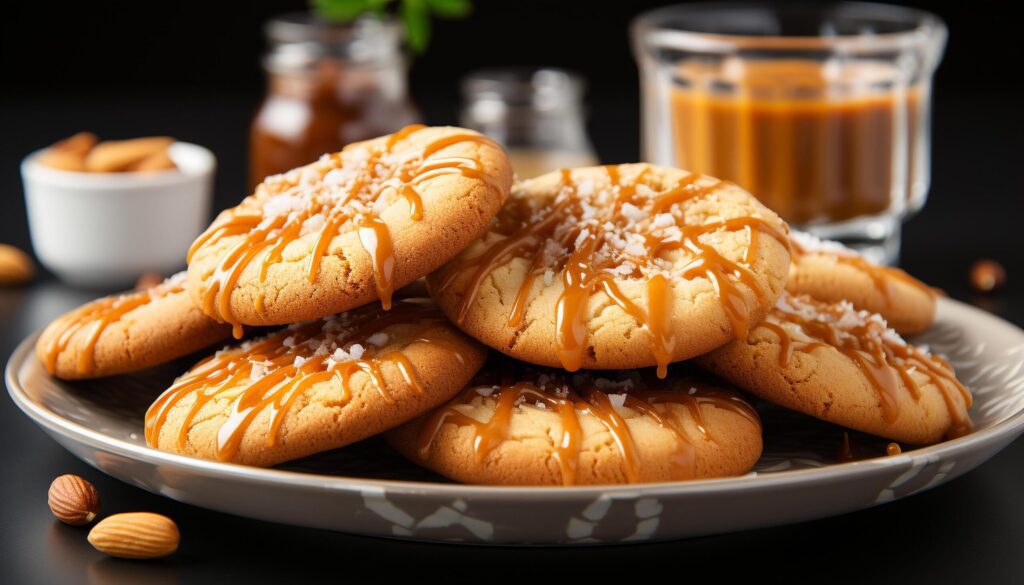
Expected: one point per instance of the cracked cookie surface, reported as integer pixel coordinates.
(349, 228)
(845, 366)
(617, 267)
(127, 332)
(545, 427)
(315, 386)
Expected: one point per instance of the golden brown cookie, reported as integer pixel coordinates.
(128, 332)
(617, 267)
(847, 367)
(829, 271)
(544, 427)
(350, 228)
(315, 386)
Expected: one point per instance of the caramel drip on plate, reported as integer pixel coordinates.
(272, 373)
(94, 318)
(583, 271)
(265, 237)
(886, 360)
(509, 398)
(882, 277)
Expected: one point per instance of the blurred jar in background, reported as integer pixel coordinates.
(536, 114)
(328, 85)
(822, 111)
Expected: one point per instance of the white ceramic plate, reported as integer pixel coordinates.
(366, 489)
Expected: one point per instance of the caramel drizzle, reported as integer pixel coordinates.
(581, 274)
(508, 398)
(884, 362)
(881, 277)
(94, 318)
(270, 236)
(287, 379)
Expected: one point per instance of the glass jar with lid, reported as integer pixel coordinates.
(536, 114)
(328, 85)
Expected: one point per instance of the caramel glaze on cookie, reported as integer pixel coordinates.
(829, 271)
(128, 332)
(543, 427)
(315, 386)
(350, 228)
(845, 366)
(579, 259)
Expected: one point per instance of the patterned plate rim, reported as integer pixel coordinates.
(54, 423)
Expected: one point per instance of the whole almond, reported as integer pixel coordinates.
(69, 154)
(135, 535)
(158, 161)
(73, 500)
(113, 156)
(15, 266)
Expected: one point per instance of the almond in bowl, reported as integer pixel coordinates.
(83, 152)
(102, 212)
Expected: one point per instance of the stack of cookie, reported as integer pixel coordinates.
(544, 348)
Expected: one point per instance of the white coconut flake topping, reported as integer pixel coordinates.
(356, 351)
(814, 244)
(617, 400)
(379, 339)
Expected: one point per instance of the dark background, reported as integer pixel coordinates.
(190, 69)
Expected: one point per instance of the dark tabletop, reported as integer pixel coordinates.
(970, 530)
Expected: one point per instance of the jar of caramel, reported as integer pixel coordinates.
(328, 85)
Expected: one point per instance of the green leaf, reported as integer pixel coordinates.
(450, 8)
(379, 7)
(416, 21)
(341, 10)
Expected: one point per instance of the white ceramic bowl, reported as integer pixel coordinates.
(105, 229)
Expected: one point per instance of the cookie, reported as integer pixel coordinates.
(845, 366)
(128, 332)
(350, 228)
(829, 271)
(617, 267)
(315, 386)
(535, 427)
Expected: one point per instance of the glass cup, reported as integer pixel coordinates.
(821, 111)
(536, 114)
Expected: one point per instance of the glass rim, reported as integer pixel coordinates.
(303, 27)
(649, 29)
(523, 83)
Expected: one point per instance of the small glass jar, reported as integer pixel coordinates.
(536, 114)
(822, 111)
(328, 85)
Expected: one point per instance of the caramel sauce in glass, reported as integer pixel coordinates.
(526, 232)
(94, 318)
(271, 373)
(813, 141)
(574, 397)
(264, 236)
(888, 362)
